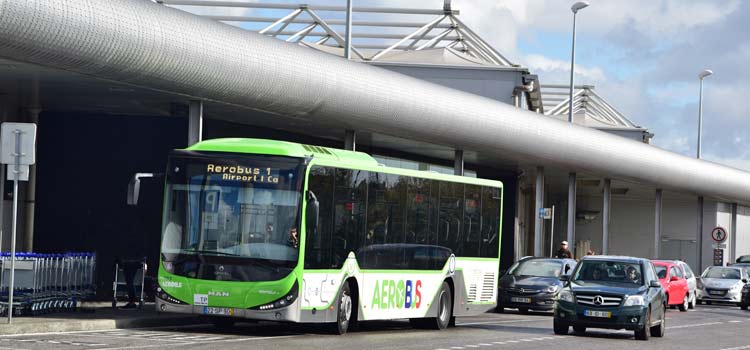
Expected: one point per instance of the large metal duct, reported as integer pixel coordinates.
(150, 45)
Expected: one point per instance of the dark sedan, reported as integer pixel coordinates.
(532, 284)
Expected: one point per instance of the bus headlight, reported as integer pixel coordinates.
(284, 301)
(161, 294)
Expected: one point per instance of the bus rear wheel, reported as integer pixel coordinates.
(444, 308)
(344, 308)
(444, 312)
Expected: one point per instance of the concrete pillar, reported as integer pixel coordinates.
(700, 233)
(657, 223)
(571, 237)
(606, 202)
(539, 204)
(195, 122)
(458, 163)
(29, 201)
(733, 235)
(350, 140)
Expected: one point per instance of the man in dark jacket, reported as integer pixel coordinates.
(563, 252)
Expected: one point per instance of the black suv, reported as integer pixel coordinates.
(614, 293)
(532, 284)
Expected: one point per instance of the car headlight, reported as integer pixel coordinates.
(699, 284)
(634, 300)
(737, 287)
(566, 295)
(553, 289)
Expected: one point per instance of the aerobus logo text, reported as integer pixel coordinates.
(397, 294)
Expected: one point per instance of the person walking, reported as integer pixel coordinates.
(563, 252)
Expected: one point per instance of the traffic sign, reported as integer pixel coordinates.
(719, 234)
(545, 213)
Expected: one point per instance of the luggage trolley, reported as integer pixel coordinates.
(119, 286)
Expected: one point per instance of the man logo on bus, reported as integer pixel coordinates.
(391, 294)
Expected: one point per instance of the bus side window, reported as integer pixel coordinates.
(451, 215)
(472, 220)
(490, 222)
(318, 243)
(349, 213)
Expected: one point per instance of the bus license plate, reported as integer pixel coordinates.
(223, 311)
(603, 314)
(520, 300)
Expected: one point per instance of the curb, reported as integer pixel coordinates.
(72, 325)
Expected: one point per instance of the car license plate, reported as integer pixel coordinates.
(223, 311)
(716, 292)
(592, 313)
(521, 300)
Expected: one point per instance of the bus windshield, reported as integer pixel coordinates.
(231, 210)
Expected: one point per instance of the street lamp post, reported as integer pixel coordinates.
(703, 74)
(572, 175)
(577, 6)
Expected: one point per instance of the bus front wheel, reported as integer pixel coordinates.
(344, 308)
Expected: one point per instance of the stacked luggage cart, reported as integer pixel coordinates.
(46, 283)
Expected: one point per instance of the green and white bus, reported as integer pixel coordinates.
(271, 230)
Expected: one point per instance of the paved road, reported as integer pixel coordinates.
(708, 327)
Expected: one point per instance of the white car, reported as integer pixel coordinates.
(721, 284)
(691, 282)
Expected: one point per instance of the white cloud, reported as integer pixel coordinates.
(552, 69)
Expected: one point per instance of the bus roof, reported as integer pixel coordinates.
(323, 156)
(282, 148)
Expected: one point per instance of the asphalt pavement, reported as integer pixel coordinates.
(707, 327)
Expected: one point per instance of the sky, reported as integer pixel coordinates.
(643, 57)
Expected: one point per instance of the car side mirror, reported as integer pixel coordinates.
(565, 278)
(673, 278)
(744, 280)
(654, 284)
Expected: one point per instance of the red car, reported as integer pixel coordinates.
(674, 282)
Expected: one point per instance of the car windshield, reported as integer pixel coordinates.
(661, 271)
(608, 272)
(537, 268)
(725, 273)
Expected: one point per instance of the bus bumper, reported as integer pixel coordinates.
(289, 313)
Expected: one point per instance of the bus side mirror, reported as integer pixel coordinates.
(134, 187)
(313, 211)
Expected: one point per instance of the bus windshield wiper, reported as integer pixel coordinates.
(209, 252)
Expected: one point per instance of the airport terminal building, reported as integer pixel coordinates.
(114, 87)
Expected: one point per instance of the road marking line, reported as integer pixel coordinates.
(499, 342)
(498, 322)
(513, 341)
(485, 344)
(472, 346)
(695, 325)
(456, 347)
(738, 348)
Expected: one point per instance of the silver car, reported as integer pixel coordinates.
(691, 282)
(721, 284)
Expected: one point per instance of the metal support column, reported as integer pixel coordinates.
(348, 34)
(350, 140)
(733, 235)
(606, 202)
(700, 233)
(571, 209)
(195, 122)
(458, 163)
(539, 204)
(657, 223)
